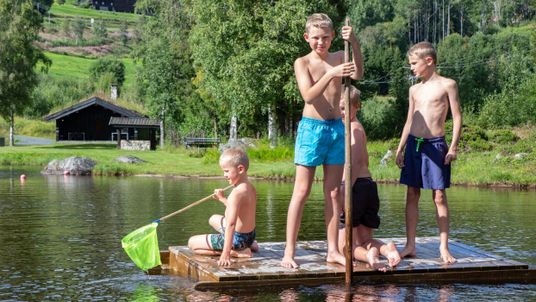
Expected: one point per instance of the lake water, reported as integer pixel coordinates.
(60, 238)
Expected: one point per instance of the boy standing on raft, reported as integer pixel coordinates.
(425, 163)
(320, 137)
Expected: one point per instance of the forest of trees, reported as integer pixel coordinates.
(205, 63)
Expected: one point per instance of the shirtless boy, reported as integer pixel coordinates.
(365, 200)
(236, 230)
(427, 158)
(320, 138)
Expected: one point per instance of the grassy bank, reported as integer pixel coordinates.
(509, 168)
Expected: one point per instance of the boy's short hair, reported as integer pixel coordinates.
(355, 96)
(318, 20)
(423, 50)
(235, 156)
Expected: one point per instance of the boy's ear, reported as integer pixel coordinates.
(306, 36)
(241, 169)
(429, 60)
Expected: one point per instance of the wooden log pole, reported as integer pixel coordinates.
(347, 170)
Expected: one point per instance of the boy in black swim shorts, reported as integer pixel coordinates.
(365, 201)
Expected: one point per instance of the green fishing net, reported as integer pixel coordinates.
(141, 246)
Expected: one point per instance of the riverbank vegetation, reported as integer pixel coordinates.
(487, 158)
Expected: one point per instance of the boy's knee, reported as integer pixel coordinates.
(214, 219)
(191, 243)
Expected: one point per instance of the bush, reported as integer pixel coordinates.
(381, 118)
(474, 138)
(502, 136)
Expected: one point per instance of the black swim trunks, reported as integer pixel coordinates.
(365, 204)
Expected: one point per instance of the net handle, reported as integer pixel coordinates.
(189, 206)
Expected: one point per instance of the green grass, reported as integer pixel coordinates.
(74, 67)
(70, 10)
(472, 168)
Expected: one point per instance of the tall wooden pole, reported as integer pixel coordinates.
(347, 170)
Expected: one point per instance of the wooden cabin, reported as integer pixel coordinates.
(96, 119)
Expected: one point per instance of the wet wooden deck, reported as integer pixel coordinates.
(263, 269)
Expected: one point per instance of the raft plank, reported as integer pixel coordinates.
(263, 269)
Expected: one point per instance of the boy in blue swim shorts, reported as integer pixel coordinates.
(423, 155)
(236, 230)
(320, 137)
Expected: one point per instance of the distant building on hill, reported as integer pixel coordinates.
(125, 6)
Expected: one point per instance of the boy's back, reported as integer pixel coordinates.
(245, 197)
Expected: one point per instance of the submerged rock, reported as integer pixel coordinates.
(73, 165)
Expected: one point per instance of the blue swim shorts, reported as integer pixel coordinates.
(240, 240)
(319, 142)
(424, 163)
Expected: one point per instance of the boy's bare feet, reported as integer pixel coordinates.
(244, 253)
(254, 247)
(446, 256)
(336, 257)
(408, 251)
(373, 256)
(393, 256)
(289, 262)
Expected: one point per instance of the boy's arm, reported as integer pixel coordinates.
(231, 215)
(454, 101)
(309, 90)
(405, 132)
(219, 195)
(357, 56)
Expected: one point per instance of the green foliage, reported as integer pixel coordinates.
(54, 92)
(77, 26)
(108, 66)
(381, 117)
(100, 30)
(511, 109)
(502, 136)
(19, 27)
(474, 139)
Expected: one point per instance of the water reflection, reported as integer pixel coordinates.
(61, 237)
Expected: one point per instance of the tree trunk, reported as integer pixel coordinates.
(162, 129)
(272, 130)
(12, 129)
(448, 18)
(461, 20)
(233, 135)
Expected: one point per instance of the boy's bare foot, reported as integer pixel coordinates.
(244, 253)
(254, 247)
(289, 262)
(446, 256)
(336, 257)
(392, 255)
(408, 251)
(373, 256)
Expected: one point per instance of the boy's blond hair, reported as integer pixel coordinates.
(423, 50)
(235, 156)
(355, 96)
(318, 20)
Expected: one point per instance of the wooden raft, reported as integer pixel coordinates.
(263, 269)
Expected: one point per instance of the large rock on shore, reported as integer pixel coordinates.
(73, 165)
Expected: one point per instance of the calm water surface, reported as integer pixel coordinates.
(60, 238)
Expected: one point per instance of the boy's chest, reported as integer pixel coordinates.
(430, 94)
(318, 68)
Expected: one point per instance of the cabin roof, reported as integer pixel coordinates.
(95, 100)
(139, 122)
